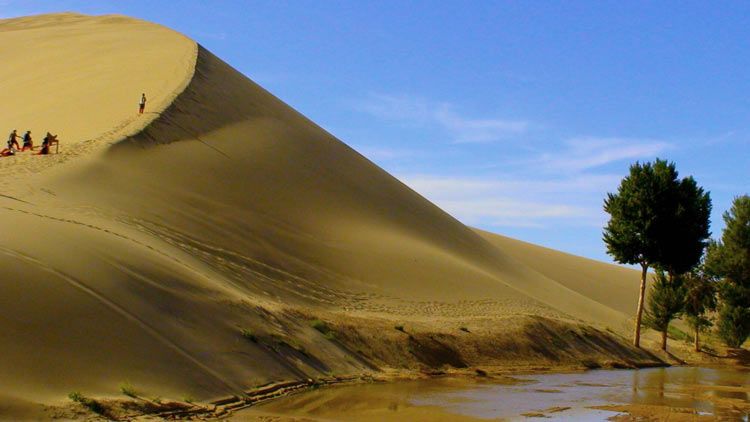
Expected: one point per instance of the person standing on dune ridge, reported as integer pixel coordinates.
(142, 104)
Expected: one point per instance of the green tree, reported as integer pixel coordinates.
(687, 232)
(665, 303)
(729, 259)
(734, 314)
(641, 218)
(700, 298)
(657, 220)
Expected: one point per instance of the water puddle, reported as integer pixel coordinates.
(677, 393)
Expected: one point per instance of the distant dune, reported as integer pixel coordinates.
(141, 250)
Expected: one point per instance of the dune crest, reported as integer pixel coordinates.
(149, 248)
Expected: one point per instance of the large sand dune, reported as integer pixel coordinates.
(139, 252)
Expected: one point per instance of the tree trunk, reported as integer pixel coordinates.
(664, 340)
(641, 299)
(697, 344)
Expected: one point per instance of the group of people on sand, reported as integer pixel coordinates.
(28, 144)
(47, 142)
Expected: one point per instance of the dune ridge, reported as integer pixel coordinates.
(146, 248)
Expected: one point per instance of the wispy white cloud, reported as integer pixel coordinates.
(441, 115)
(507, 202)
(562, 185)
(452, 186)
(512, 212)
(588, 153)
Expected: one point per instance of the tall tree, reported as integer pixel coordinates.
(641, 214)
(700, 298)
(665, 303)
(687, 232)
(730, 260)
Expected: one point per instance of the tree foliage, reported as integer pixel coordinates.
(665, 303)
(729, 259)
(687, 231)
(700, 298)
(734, 314)
(657, 220)
(640, 213)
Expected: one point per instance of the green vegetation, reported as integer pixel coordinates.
(666, 302)
(729, 260)
(291, 343)
(657, 220)
(127, 389)
(677, 334)
(249, 335)
(323, 328)
(700, 299)
(87, 402)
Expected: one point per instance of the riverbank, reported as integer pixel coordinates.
(296, 395)
(660, 394)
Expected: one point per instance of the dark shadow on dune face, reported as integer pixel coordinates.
(434, 353)
(225, 140)
(548, 340)
(207, 104)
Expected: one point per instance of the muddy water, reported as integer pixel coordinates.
(678, 393)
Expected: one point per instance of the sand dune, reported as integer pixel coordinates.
(140, 251)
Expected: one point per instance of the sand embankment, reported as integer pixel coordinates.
(226, 210)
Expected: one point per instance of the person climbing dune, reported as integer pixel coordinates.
(28, 143)
(142, 104)
(47, 142)
(12, 146)
(13, 139)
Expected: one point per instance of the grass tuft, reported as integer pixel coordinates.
(249, 335)
(323, 328)
(677, 334)
(127, 389)
(87, 402)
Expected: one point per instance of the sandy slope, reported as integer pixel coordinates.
(226, 209)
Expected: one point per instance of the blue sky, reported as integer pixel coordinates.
(516, 117)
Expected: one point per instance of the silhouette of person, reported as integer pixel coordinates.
(47, 142)
(13, 139)
(142, 104)
(28, 143)
(12, 145)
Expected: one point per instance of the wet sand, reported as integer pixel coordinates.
(677, 393)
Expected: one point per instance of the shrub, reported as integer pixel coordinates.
(89, 403)
(127, 389)
(323, 328)
(249, 335)
(665, 303)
